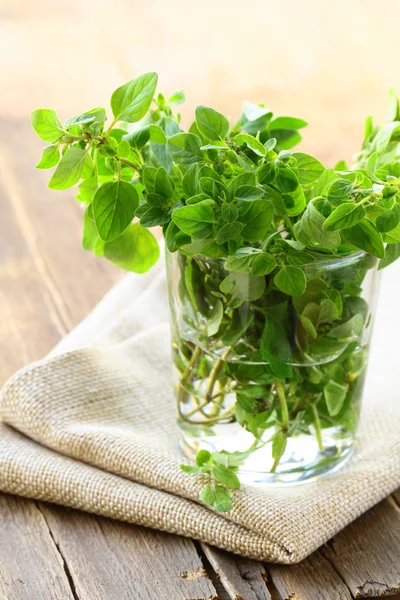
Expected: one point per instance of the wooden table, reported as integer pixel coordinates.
(331, 64)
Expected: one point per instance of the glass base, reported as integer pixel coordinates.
(302, 461)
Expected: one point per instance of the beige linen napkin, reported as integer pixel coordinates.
(92, 426)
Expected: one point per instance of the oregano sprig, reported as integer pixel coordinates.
(251, 222)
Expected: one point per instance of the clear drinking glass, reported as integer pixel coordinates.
(291, 428)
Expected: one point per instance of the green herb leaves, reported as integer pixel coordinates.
(47, 125)
(291, 280)
(73, 166)
(114, 206)
(131, 101)
(221, 468)
(212, 124)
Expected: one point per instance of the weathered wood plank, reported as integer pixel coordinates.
(242, 578)
(110, 560)
(367, 553)
(31, 567)
(312, 579)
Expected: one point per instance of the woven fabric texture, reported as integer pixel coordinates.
(92, 426)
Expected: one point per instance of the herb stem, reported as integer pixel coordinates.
(283, 403)
(317, 426)
(130, 164)
(214, 374)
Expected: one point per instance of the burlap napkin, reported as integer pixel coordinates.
(92, 426)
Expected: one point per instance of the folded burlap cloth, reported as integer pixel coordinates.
(92, 426)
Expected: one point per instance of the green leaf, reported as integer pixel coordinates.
(90, 235)
(136, 249)
(74, 165)
(335, 395)
(248, 192)
(392, 253)
(177, 97)
(389, 220)
(226, 476)
(309, 169)
(217, 496)
(291, 280)
(278, 448)
(243, 286)
(286, 123)
(344, 216)
(254, 118)
(252, 143)
(263, 264)
(195, 220)
(47, 125)
(184, 148)
(163, 184)
(241, 260)
(202, 457)
(191, 469)
(229, 213)
(365, 235)
(286, 179)
(328, 311)
(308, 327)
(153, 216)
(114, 206)
(131, 101)
(215, 318)
(275, 342)
(228, 232)
(212, 124)
(339, 189)
(50, 157)
(310, 228)
(350, 329)
(228, 459)
(295, 202)
(257, 220)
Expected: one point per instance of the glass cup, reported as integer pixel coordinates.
(275, 378)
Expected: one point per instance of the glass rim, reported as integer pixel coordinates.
(329, 261)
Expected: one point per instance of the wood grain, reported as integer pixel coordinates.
(241, 577)
(367, 553)
(126, 562)
(312, 579)
(30, 566)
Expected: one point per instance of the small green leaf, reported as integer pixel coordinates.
(286, 123)
(195, 220)
(248, 193)
(229, 213)
(243, 285)
(392, 253)
(241, 260)
(389, 220)
(131, 101)
(114, 206)
(252, 143)
(309, 169)
(328, 311)
(212, 124)
(350, 329)
(228, 232)
(185, 148)
(202, 457)
(344, 216)
(263, 264)
(257, 220)
(215, 318)
(278, 448)
(365, 235)
(136, 249)
(47, 125)
(291, 280)
(226, 476)
(177, 97)
(50, 157)
(286, 179)
(74, 165)
(339, 189)
(335, 395)
(90, 235)
(217, 496)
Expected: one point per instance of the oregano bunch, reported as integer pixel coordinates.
(252, 222)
